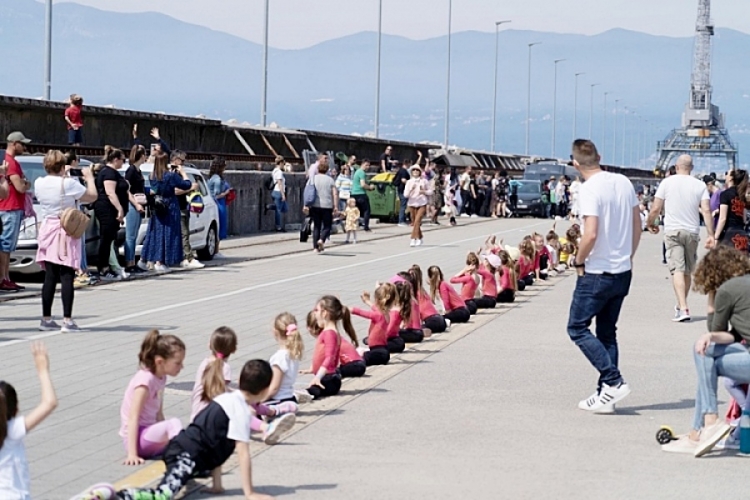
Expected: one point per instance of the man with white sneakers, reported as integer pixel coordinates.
(611, 234)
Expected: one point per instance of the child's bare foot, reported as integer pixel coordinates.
(213, 490)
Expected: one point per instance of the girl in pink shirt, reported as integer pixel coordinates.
(143, 428)
(455, 308)
(351, 363)
(431, 319)
(214, 372)
(469, 281)
(326, 357)
(525, 263)
(543, 263)
(379, 316)
(411, 330)
(508, 283)
(486, 270)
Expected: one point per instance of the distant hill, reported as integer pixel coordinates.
(153, 62)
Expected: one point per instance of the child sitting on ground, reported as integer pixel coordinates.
(378, 314)
(411, 328)
(469, 281)
(351, 363)
(326, 358)
(525, 263)
(14, 467)
(487, 269)
(208, 442)
(453, 304)
(285, 361)
(508, 282)
(543, 263)
(431, 319)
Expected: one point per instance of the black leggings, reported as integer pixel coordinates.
(460, 315)
(411, 335)
(436, 324)
(363, 204)
(377, 356)
(396, 345)
(54, 274)
(331, 386)
(521, 284)
(486, 302)
(471, 306)
(506, 296)
(529, 280)
(180, 469)
(108, 228)
(322, 219)
(353, 369)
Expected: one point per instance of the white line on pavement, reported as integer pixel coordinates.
(256, 287)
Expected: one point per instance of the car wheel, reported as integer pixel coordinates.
(212, 243)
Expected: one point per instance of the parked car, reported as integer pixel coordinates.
(204, 225)
(543, 171)
(529, 197)
(23, 260)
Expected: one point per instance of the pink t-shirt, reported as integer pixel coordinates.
(152, 405)
(327, 351)
(426, 307)
(348, 353)
(505, 282)
(198, 404)
(489, 284)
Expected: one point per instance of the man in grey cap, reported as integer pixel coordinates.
(12, 208)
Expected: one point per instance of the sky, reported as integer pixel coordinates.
(302, 23)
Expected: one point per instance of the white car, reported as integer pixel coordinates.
(204, 226)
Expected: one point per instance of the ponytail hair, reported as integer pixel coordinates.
(137, 153)
(156, 344)
(285, 327)
(403, 291)
(435, 277)
(385, 297)
(223, 344)
(8, 408)
(111, 153)
(472, 259)
(312, 324)
(416, 274)
(338, 312)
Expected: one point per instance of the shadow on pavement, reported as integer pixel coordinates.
(285, 490)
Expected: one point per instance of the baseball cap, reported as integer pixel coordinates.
(18, 137)
(707, 179)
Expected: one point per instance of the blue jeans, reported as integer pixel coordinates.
(721, 360)
(276, 195)
(402, 208)
(599, 296)
(132, 225)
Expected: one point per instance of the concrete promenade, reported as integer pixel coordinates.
(487, 410)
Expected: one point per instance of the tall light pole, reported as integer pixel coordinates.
(48, 52)
(528, 99)
(494, 100)
(614, 141)
(604, 126)
(264, 101)
(645, 138)
(448, 87)
(591, 110)
(624, 130)
(554, 109)
(575, 109)
(377, 77)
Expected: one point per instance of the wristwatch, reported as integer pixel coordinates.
(578, 266)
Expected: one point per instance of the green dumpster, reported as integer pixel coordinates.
(384, 202)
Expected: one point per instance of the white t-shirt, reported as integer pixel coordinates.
(234, 405)
(560, 191)
(278, 175)
(465, 181)
(53, 200)
(14, 468)
(682, 195)
(611, 198)
(289, 367)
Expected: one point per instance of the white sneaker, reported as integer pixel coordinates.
(125, 275)
(418, 243)
(142, 266)
(412, 243)
(303, 397)
(682, 445)
(681, 316)
(161, 268)
(401, 224)
(710, 436)
(598, 402)
(728, 443)
(195, 264)
(219, 255)
(278, 427)
(447, 325)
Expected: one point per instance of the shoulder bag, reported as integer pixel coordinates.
(73, 221)
(310, 193)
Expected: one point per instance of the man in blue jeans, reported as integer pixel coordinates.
(399, 181)
(611, 234)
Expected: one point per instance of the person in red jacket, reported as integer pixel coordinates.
(74, 120)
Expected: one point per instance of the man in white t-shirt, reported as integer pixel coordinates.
(279, 194)
(611, 233)
(683, 198)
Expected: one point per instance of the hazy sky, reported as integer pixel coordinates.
(301, 23)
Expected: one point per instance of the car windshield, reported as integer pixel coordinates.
(32, 171)
(528, 187)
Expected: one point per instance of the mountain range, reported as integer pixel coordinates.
(153, 62)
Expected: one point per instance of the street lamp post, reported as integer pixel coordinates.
(528, 99)
(624, 130)
(48, 52)
(604, 125)
(554, 109)
(494, 100)
(575, 109)
(591, 110)
(377, 77)
(614, 141)
(264, 101)
(448, 87)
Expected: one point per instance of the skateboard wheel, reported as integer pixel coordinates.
(664, 435)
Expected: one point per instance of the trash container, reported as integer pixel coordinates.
(384, 202)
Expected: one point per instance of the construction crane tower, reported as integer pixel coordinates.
(703, 133)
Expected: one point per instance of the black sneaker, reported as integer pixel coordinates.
(134, 270)
(110, 276)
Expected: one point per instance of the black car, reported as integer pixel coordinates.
(529, 197)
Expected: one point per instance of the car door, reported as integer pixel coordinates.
(199, 223)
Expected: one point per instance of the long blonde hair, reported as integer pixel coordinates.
(435, 277)
(285, 329)
(223, 344)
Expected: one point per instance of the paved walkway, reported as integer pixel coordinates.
(485, 411)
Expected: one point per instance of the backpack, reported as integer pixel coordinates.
(271, 183)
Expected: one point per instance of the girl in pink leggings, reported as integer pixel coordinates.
(144, 430)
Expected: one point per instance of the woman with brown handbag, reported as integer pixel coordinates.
(59, 253)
